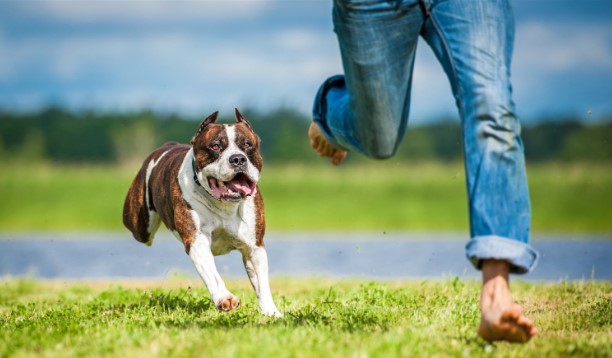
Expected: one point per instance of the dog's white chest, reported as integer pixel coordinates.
(222, 242)
(228, 229)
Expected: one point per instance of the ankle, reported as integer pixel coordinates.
(495, 270)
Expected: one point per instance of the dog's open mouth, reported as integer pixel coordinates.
(237, 188)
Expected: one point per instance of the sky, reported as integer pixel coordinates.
(194, 57)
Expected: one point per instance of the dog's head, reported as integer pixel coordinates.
(227, 161)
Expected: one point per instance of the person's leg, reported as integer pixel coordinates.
(473, 40)
(366, 110)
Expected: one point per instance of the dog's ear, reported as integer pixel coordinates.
(208, 121)
(240, 119)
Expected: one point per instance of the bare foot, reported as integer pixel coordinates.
(501, 319)
(318, 142)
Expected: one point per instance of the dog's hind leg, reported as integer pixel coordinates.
(135, 212)
(138, 215)
(153, 225)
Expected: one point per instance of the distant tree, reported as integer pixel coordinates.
(439, 141)
(133, 140)
(89, 136)
(592, 143)
(33, 147)
(545, 141)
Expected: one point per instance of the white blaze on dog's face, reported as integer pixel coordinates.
(227, 159)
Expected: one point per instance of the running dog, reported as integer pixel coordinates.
(206, 194)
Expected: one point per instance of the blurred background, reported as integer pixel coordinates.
(89, 88)
(193, 57)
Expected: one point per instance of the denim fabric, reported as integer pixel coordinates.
(366, 110)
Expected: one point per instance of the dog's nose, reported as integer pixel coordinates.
(238, 160)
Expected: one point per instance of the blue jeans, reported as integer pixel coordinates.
(366, 110)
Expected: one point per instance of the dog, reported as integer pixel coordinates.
(206, 194)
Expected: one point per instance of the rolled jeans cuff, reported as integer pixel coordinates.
(521, 256)
(319, 108)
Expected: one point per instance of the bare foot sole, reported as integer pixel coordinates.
(501, 319)
(320, 145)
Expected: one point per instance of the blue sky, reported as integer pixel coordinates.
(193, 57)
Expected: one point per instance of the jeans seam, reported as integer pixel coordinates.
(460, 93)
(452, 63)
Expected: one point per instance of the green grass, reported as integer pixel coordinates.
(323, 317)
(381, 196)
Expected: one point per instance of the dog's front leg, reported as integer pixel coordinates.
(256, 264)
(204, 262)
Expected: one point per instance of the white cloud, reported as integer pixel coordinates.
(146, 11)
(5, 65)
(554, 47)
(299, 39)
(180, 67)
(182, 71)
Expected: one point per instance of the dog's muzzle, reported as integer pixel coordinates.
(235, 189)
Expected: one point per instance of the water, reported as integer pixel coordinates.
(367, 255)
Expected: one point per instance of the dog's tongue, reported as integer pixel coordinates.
(216, 190)
(239, 185)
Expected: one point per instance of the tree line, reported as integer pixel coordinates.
(59, 135)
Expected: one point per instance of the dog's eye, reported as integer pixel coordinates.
(216, 147)
(248, 145)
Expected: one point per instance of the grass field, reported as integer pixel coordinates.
(380, 196)
(323, 317)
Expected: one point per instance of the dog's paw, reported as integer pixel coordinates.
(227, 303)
(271, 311)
